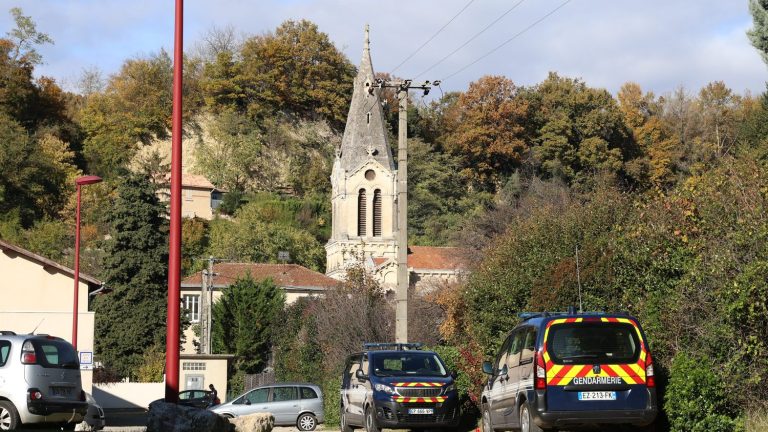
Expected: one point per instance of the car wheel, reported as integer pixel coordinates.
(9, 417)
(306, 422)
(227, 416)
(526, 421)
(370, 421)
(487, 426)
(345, 427)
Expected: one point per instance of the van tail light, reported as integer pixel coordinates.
(650, 380)
(28, 353)
(540, 372)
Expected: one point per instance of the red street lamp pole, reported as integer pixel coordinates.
(174, 252)
(80, 181)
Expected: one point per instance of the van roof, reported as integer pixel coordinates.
(538, 318)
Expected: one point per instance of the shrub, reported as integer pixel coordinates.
(696, 398)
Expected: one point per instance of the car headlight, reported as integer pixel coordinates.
(449, 388)
(384, 388)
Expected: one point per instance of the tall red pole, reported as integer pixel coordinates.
(77, 271)
(174, 253)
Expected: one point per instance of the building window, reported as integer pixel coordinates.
(361, 212)
(195, 366)
(188, 195)
(216, 198)
(377, 213)
(191, 304)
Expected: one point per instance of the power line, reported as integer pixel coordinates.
(509, 40)
(471, 39)
(433, 36)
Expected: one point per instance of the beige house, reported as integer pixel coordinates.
(199, 197)
(38, 296)
(197, 370)
(363, 199)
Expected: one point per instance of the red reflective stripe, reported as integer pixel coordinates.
(609, 370)
(584, 371)
(628, 370)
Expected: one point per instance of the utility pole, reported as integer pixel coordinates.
(401, 293)
(206, 306)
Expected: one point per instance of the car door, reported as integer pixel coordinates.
(255, 401)
(497, 383)
(509, 393)
(353, 396)
(284, 405)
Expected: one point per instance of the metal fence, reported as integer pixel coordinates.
(256, 380)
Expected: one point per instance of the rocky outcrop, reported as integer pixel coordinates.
(261, 422)
(168, 417)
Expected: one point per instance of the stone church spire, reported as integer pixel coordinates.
(365, 135)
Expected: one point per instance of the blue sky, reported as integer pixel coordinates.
(660, 44)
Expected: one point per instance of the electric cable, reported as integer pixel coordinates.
(509, 40)
(433, 36)
(471, 39)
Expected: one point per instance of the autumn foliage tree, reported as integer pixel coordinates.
(485, 129)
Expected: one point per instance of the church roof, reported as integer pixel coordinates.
(432, 258)
(365, 135)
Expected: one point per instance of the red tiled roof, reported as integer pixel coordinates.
(48, 263)
(284, 275)
(432, 258)
(195, 180)
(436, 258)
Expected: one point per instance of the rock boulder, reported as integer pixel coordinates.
(261, 422)
(168, 417)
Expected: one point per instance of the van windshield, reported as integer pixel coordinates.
(55, 353)
(404, 363)
(593, 343)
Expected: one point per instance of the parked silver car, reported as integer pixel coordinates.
(297, 404)
(39, 381)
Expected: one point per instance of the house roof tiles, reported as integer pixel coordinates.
(284, 275)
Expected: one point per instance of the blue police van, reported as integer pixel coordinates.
(568, 369)
(397, 386)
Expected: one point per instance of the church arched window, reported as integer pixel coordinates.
(361, 213)
(377, 213)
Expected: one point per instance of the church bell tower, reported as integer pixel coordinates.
(364, 184)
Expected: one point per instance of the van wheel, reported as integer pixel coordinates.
(306, 422)
(9, 417)
(487, 426)
(345, 427)
(526, 421)
(370, 421)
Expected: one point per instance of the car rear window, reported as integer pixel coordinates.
(593, 342)
(5, 349)
(308, 393)
(55, 353)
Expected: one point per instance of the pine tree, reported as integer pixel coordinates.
(758, 35)
(132, 318)
(243, 322)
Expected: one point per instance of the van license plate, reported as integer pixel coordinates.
(597, 395)
(61, 391)
(421, 411)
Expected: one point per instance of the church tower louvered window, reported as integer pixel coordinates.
(377, 213)
(361, 213)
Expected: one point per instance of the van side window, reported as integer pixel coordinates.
(308, 393)
(529, 345)
(501, 360)
(5, 350)
(514, 349)
(353, 364)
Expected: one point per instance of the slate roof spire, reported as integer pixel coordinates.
(365, 135)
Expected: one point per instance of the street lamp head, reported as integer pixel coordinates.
(86, 180)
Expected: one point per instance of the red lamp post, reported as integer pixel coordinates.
(84, 180)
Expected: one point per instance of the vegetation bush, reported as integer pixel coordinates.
(696, 398)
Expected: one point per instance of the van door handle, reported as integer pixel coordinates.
(526, 361)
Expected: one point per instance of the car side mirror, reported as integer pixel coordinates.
(487, 368)
(361, 375)
(454, 374)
